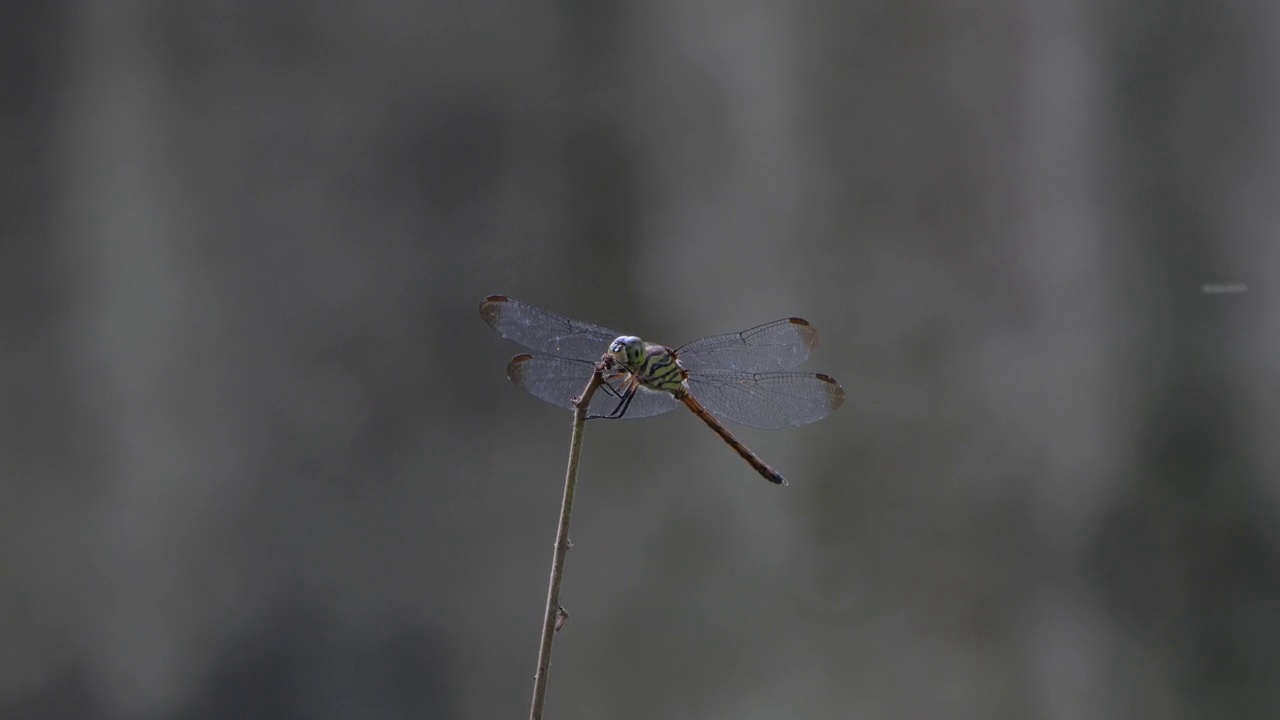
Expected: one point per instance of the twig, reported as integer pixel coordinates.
(552, 617)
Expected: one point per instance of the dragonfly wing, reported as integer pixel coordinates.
(560, 380)
(545, 331)
(779, 345)
(766, 400)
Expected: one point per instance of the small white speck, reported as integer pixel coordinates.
(1224, 289)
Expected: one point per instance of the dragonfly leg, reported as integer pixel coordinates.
(610, 389)
(624, 401)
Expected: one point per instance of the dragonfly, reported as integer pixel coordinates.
(737, 376)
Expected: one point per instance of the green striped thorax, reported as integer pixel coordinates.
(654, 365)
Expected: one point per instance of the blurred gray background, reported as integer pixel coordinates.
(260, 458)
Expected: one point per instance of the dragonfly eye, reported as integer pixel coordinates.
(627, 350)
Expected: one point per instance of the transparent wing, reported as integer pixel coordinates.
(779, 345)
(766, 400)
(559, 380)
(545, 331)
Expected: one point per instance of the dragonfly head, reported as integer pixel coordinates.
(628, 351)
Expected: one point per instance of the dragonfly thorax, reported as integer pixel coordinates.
(653, 366)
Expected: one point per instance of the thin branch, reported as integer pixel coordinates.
(552, 618)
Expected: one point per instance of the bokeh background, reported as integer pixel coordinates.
(260, 459)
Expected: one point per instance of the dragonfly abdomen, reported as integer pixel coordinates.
(752, 459)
